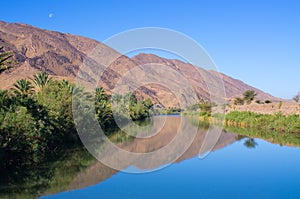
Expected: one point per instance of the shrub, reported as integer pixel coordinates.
(249, 96)
(238, 101)
(268, 101)
(280, 105)
(296, 98)
(258, 102)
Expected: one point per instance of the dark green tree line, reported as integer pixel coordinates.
(36, 117)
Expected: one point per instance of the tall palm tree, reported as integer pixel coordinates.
(101, 94)
(41, 79)
(23, 88)
(103, 107)
(5, 60)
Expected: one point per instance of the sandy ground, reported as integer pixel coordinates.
(287, 108)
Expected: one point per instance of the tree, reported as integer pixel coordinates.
(131, 99)
(57, 100)
(67, 84)
(41, 79)
(103, 108)
(5, 60)
(100, 94)
(23, 88)
(297, 97)
(147, 103)
(249, 96)
(3, 99)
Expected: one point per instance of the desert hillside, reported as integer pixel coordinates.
(61, 55)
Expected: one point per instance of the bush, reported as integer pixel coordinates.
(296, 98)
(258, 102)
(280, 105)
(24, 133)
(268, 101)
(249, 96)
(277, 122)
(238, 101)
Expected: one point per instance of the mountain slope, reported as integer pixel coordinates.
(233, 87)
(61, 55)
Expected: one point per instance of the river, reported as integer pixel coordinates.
(236, 166)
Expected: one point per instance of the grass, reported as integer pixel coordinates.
(278, 129)
(277, 122)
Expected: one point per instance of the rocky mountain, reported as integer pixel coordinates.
(62, 55)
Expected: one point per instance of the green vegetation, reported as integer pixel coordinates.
(268, 101)
(36, 121)
(280, 105)
(263, 122)
(248, 97)
(41, 79)
(6, 60)
(23, 88)
(258, 102)
(128, 103)
(277, 122)
(202, 108)
(297, 98)
(263, 102)
(238, 101)
(161, 110)
(172, 110)
(33, 124)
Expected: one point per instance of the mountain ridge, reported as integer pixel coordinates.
(61, 55)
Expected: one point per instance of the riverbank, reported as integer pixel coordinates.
(245, 119)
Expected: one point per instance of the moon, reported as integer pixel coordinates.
(50, 15)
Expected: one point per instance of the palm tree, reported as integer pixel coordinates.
(103, 107)
(41, 79)
(100, 94)
(23, 88)
(5, 60)
(65, 83)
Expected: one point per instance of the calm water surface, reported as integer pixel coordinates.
(238, 167)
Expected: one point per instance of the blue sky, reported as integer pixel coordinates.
(256, 41)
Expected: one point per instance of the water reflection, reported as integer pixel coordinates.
(48, 178)
(250, 143)
(173, 136)
(98, 172)
(75, 169)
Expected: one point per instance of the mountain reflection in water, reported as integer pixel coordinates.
(98, 171)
